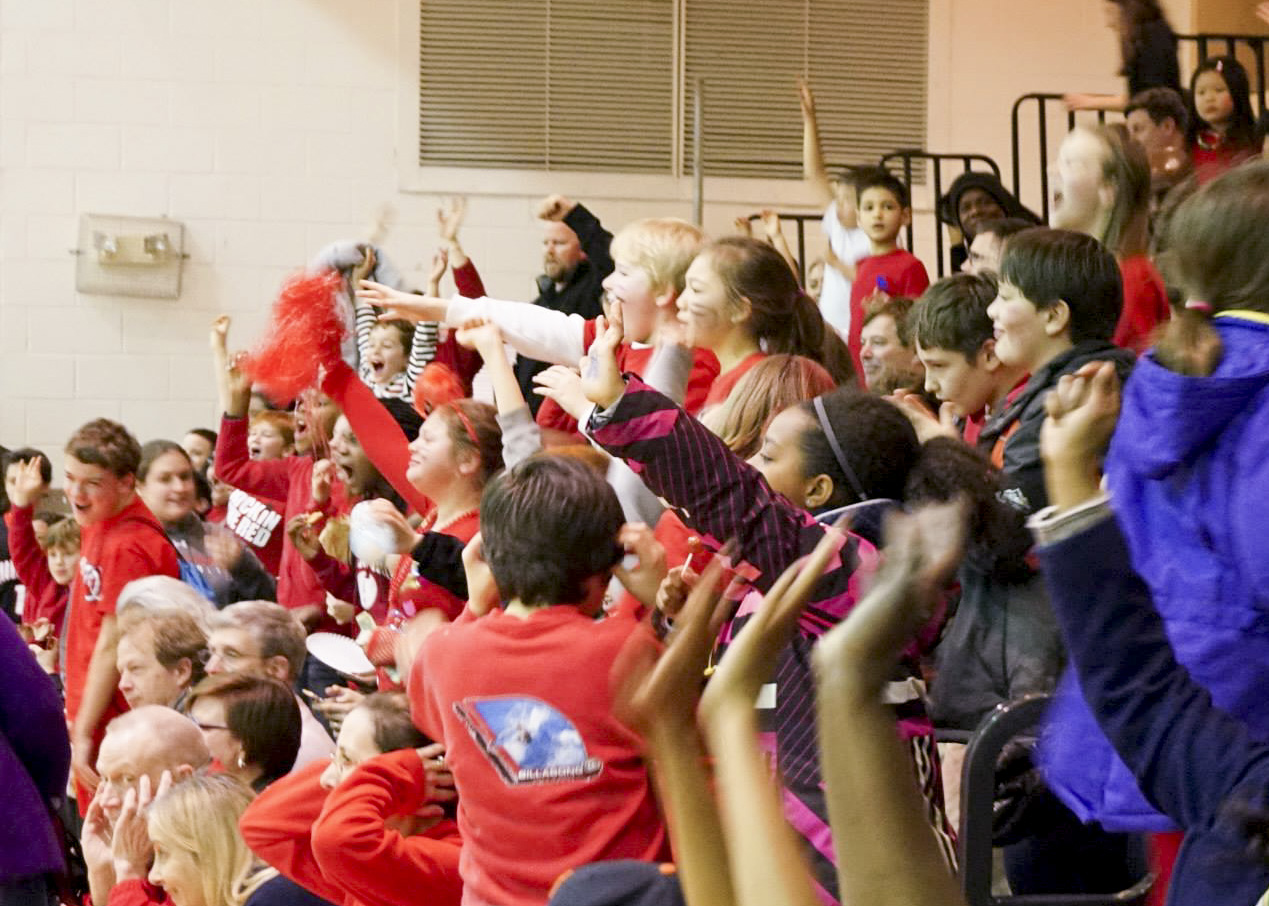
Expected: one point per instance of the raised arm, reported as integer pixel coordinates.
(521, 437)
(886, 855)
(813, 170)
(31, 562)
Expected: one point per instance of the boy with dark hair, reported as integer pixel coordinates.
(884, 210)
(1059, 300)
(548, 779)
(955, 340)
(121, 541)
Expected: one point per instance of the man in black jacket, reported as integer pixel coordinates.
(575, 261)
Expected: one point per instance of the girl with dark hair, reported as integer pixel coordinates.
(1223, 129)
(742, 302)
(1147, 48)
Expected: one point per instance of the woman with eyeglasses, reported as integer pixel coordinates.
(251, 724)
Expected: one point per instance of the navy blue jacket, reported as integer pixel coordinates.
(1191, 759)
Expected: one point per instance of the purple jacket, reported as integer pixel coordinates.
(34, 761)
(1188, 471)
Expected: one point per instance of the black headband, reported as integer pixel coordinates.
(818, 403)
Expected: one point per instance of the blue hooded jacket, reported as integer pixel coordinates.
(1188, 471)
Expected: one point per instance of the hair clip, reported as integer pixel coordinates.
(1199, 306)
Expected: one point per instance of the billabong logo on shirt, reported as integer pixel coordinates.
(527, 740)
(90, 576)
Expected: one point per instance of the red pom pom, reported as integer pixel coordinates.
(305, 333)
(436, 386)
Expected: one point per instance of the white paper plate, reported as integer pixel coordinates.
(339, 652)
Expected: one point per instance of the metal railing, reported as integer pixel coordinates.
(1206, 45)
(905, 158)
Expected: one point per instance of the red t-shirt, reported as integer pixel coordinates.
(548, 779)
(897, 273)
(725, 383)
(127, 546)
(1145, 303)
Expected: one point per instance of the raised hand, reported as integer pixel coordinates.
(554, 207)
(564, 385)
(131, 846)
(928, 425)
(218, 339)
(401, 305)
(481, 335)
(223, 547)
(601, 378)
(770, 224)
(440, 264)
(744, 226)
(449, 217)
(807, 99)
(1082, 410)
(403, 535)
(28, 485)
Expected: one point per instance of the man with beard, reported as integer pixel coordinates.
(575, 261)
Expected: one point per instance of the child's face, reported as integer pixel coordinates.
(199, 449)
(954, 379)
(355, 744)
(1021, 334)
(314, 416)
(844, 196)
(704, 308)
(95, 493)
(62, 562)
(630, 285)
(385, 354)
(984, 255)
(780, 458)
(1212, 100)
(168, 489)
(264, 441)
(432, 456)
(1079, 191)
(886, 361)
(881, 215)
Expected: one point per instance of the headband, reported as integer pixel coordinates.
(818, 403)
(471, 430)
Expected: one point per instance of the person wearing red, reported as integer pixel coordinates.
(120, 541)
(547, 777)
(46, 574)
(289, 479)
(885, 208)
(1145, 303)
(361, 829)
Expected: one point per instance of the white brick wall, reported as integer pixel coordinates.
(268, 128)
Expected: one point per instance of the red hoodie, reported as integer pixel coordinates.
(336, 843)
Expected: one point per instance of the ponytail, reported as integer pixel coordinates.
(811, 336)
(1188, 344)
(1218, 252)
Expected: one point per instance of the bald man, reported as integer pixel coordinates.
(143, 742)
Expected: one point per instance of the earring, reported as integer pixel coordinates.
(242, 762)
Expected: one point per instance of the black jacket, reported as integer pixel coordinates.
(1023, 469)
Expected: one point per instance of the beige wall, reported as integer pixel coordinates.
(269, 129)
